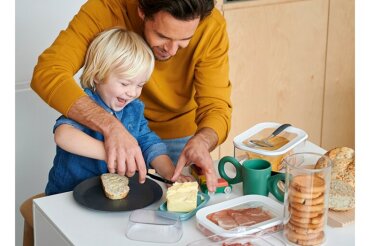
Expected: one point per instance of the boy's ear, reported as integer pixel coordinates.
(140, 13)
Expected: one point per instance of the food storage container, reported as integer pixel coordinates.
(284, 143)
(154, 226)
(306, 198)
(202, 200)
(250, 214)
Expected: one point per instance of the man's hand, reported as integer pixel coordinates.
(123, 153)
(197, 151)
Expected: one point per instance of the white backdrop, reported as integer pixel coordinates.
(37, 23)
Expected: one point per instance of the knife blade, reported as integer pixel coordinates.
(159, 178)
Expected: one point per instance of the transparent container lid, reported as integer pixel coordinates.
(154, 226)
(286, 140)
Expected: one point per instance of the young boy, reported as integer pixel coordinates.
(117, 65)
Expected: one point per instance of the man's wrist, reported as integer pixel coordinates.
(209, 137)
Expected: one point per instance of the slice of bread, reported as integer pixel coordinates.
(115, 186)
(342, 196)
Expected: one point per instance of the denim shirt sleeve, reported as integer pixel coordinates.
(151, 145)
(64, 120)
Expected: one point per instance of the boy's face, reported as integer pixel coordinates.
(117, 92)
(166, 35)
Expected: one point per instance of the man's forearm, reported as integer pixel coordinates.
(209, 136)
(88, 113)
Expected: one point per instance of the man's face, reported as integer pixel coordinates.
(166, 35)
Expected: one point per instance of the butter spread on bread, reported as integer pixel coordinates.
(115, 186)
(182, 197)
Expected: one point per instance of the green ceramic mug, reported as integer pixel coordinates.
(255, 175)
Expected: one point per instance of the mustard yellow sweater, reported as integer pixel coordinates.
(189, 91)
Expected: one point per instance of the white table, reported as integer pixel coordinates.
(59, 220)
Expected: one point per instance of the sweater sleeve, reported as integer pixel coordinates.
(212, 84)
(53, 75)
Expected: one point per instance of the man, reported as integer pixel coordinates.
(187, 98)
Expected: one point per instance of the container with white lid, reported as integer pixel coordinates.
(245, 215)
(284, 143)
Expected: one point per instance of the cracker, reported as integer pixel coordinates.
(306, 225)
(305, 195)
(302, 214)
(308, 184)
(291, 234)
(303, 230)
(308, 208)
(306, 201)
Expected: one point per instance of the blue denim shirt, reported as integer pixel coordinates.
(70, 169)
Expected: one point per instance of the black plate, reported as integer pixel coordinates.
(90, 193)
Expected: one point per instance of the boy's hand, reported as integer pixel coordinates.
(185, 178)
(182, 179)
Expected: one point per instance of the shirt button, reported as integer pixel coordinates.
(111, 112)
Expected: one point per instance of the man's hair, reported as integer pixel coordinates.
(179, 9)
(116, 50)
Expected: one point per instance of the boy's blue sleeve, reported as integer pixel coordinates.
(151, 145)
(64, 120)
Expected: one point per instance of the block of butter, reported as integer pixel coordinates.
(182, 197)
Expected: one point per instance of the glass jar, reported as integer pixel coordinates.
(306, 199)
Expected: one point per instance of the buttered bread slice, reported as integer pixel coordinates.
(182, 197)
(115, 186)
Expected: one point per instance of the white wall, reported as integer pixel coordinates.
(37, 23)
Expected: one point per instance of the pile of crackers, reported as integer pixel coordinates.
(307, 210)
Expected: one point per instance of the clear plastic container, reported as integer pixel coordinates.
(246, 215)
(284, 143)
(202, 200)
(154, 226)
(306, 199)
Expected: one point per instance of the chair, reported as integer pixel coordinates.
(26, 211)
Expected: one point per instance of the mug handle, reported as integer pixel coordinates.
(273, 186)
(221, 169)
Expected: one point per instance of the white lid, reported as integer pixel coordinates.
(298, 137)
(273, 207)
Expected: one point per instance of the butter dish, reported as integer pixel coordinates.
(202, 200)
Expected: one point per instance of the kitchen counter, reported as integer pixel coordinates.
(60, 220)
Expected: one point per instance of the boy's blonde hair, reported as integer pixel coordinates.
(116, 50)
